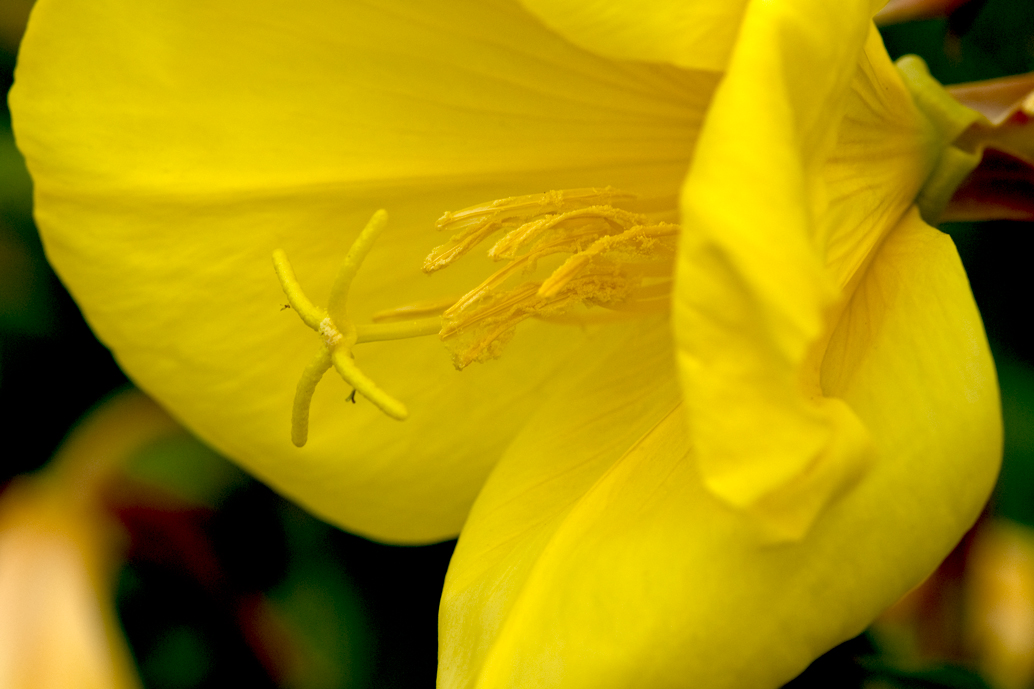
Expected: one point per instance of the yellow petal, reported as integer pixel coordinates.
(172, 151)
(912, 333)
(583, 568)
(752, 291)
(884, 153)
(697, 34)
(575, 437)
(783, 212)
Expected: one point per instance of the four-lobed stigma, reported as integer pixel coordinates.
(339, 334)
(617, 259)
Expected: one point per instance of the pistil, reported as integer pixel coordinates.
(338, 334)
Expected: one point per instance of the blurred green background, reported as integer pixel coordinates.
(221, 560)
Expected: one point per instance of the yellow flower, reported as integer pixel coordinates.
(709, 496)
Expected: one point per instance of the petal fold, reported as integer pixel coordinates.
(783, 216)
(589, 566)
(696, 34)
(753, 296)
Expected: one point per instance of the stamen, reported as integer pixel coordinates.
(415, 310)
(478, 222)
(378, 332)
(619, 260)
(640, 241)
(616, 219)
(338, 334)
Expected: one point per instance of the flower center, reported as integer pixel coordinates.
(616, 259)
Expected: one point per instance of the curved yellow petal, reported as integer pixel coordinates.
(575, 437)
(697, 34)
(783, 212)
(173, 149)
(635, 574)
(752, 291)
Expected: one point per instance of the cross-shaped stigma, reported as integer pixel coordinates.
(339, 334)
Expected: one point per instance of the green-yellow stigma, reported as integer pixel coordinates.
(339, 334)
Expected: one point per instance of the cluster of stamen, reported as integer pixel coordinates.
(616, 259)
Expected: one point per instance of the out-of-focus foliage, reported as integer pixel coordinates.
(25, 296)
(1015, 498)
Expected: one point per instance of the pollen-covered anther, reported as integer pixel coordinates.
(617, 259)
(338, 334)
(471, 226)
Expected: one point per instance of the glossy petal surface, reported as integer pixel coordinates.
(171, 156)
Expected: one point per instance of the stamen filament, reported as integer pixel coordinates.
(478, 222)
(499, 307)
(377, 332)
(433, 307)
(658, 305)
(593, 217)
(312, 375)
(571, 243)
(345, 365)
(310, 314)
(337, 302)
(616, 257)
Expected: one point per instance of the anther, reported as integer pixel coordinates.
(472, 225)
(618, 259)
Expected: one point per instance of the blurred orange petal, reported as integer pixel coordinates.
(1000, 594)
(1001, 187)
(59, 551)
(57, 615)
(998, 99)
